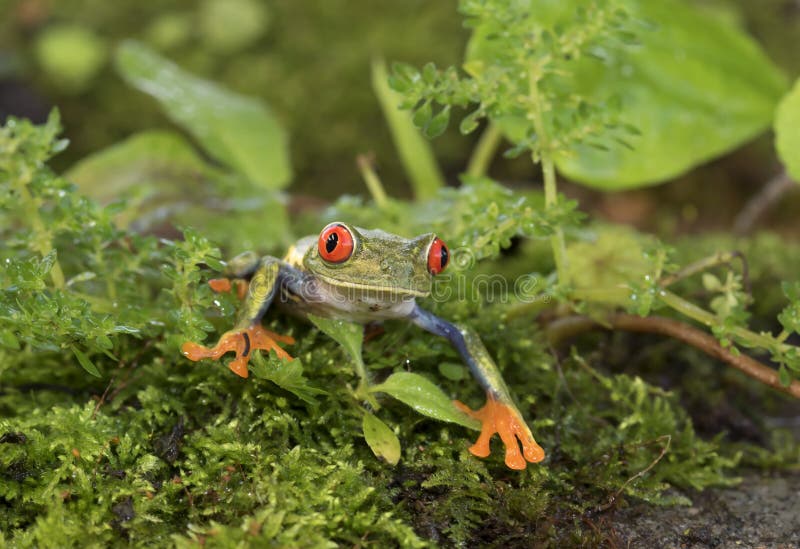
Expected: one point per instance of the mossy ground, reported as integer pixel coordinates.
(163, 451)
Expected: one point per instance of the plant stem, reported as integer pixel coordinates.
(758, 205)
(41, 239)
(545, 157)
(750, 339)
(372, 181)
(484, 151)
(567, 327)
(719, 258)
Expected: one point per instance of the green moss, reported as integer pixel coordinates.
(162, 451)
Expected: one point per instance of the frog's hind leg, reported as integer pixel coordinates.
(248, 334)
(499, 415)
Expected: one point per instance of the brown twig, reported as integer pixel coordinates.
(761, 202)
(567, 327)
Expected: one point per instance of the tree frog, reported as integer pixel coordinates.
(366, 276)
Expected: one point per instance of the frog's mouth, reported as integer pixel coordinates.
(374, 288)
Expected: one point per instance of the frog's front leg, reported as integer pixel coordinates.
(248, 334)
(499, 415)
(240, 269)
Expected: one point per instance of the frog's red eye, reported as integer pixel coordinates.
(438, 256)
(335, 243)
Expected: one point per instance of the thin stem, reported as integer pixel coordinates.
(548, 171)
(42, 239)
(750, 339)
(719, 258)
(484, 151)
(565, 328)
(758, 205)
(372, 180)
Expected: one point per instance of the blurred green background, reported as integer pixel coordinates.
(311, 62)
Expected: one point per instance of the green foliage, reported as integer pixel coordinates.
(504, 215)
(381, 439)
(787, 138)
(163, 450)
(229, 26)
(194, 454)
(236, 130)
(557, 78)
(416, 154)
(155, 171)
(424, 397)
(511, 72)
(675, 89)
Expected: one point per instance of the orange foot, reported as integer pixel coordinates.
(220, 285)
(504, 420)
(242, 342)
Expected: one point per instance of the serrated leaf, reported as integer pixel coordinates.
(238, 130)
(438, 123)
(787, 131)
(424, 397)
(422, 116)
(381, 439)
(85, 362)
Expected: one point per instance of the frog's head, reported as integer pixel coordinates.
(375, 261)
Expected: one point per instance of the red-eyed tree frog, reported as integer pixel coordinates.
(366, 276)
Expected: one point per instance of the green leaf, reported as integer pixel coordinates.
(415, 152)
(87, 364)
(9, 340)
(787, 131)
(453, 371)
(381, 439)
(790, 316)
(286, 374)
(348, 334)
(238, 130)
(784, 376)
(152, 169)
(424, 397)
(152, 158)
(438, 123)
(422, 116)
(696, 88)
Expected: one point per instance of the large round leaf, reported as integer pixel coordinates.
(696, 88)
(787, 131)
